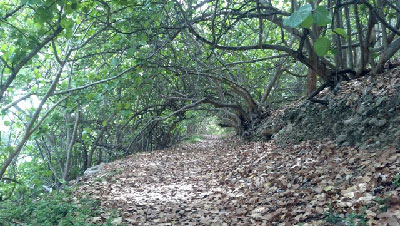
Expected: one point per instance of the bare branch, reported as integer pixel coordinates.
(5, 108)
(95, 83)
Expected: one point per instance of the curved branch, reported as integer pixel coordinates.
(237, 108)
(5, 17)
(95, 83)
(25, 60)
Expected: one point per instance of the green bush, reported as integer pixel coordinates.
(51, 209)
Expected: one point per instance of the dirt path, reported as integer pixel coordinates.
(222, 182)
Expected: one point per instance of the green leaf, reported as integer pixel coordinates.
(119, 106)
(9, 149)
(321, 46)
(88, 129)
(67, 23)
(144, 39)
(7, 123)
(131, 51)
(90, 96)
(29, 2)
(114, 61)
(105, 123)
(328, 188)
(373, 53)
(74, 5)
(43, 15)
(298, 17)
(308, 22)
(341, 32)
(321, 16)
(85, 135)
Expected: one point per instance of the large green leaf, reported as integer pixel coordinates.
(298, 17)
(340, 31)
(308, 22)
(322, 45)
(321, 16)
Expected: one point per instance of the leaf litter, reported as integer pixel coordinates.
(231, 182)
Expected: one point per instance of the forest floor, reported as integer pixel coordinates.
(229, 182)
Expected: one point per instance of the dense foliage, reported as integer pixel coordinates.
(54, 209)
(88, 81)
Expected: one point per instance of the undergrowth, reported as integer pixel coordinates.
(194, 139)
(51, 209)
(396, 181)
(350, 219)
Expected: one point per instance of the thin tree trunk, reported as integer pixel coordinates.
(71, 145)
(349, 41)
(386, 55)
(100, 157)
(29, 128)
(85, 158)
(338, 57)
(96, 142)
(370, 39)
(383, 28)
(360, 38)
(278, 73)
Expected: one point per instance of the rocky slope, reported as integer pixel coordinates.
(364, 113)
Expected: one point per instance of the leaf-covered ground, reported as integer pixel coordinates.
(227, 182)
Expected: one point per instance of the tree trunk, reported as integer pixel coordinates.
(30, 127)
(71, 145)
(311, 84)
(350, 62)
(96, 142)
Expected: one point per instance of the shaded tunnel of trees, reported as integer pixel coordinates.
(83, 82)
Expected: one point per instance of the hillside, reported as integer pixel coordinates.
(364, 113)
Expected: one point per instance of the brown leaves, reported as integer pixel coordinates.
(226, 183)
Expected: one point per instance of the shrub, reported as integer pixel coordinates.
(51, 209)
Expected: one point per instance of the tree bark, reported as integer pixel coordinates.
(71, 145)
(311, 84)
